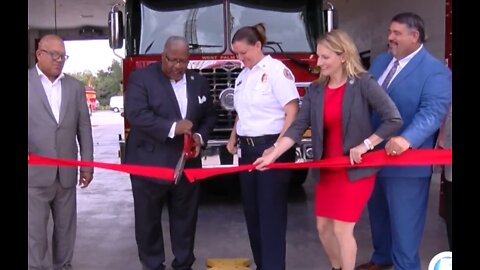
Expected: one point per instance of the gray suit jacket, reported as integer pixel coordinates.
(448, 142)
(362, 95)
(47, 138)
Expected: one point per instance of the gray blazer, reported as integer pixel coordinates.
(362, 95)
(448, 142)
(47, 138)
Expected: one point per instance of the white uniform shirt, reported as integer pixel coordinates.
(53, 92)
(260, 95)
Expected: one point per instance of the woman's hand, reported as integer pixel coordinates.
(265, 160)
(232, 146)
(268, 150)
(357, 152)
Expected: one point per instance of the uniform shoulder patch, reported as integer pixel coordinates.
(264, 77)
(287, 74)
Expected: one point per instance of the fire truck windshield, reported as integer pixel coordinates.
(293, 24)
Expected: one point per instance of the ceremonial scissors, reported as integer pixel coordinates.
(188, 152)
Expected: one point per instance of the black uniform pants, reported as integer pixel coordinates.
(264, 197)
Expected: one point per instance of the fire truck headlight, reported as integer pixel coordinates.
(226, 99)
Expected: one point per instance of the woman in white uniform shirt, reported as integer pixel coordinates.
(266, 101)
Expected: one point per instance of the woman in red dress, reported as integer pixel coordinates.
(338, 108)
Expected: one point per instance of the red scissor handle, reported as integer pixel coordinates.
(188, 147)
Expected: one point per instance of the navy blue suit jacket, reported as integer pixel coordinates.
(151, 108)
(422, 91)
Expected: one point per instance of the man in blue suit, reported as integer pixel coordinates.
(163, 102)
(421, 87)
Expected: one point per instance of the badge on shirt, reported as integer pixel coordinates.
(264, 77)
(287, 74)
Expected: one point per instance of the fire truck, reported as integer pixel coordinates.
(292, 28)
(91, 96)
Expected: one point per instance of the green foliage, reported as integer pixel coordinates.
(109, 83)
(106, 83)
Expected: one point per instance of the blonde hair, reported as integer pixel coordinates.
(340, 42)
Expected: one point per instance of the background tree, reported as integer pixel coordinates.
(108, 83)
(105, 83)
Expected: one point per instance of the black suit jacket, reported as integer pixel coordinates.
(151, 108)
(362, 95)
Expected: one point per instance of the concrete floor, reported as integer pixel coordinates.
(106, 240)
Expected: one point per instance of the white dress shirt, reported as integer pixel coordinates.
(180, 90)
(53, 92)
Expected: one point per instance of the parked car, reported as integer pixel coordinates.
(116, 103)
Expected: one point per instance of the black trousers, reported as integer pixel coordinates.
(265, 198)
(448, 208)
(182, 202)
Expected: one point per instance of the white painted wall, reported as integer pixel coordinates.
(367, 21)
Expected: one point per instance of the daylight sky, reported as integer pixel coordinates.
(93, 55)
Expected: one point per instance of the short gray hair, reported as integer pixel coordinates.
(175, 39)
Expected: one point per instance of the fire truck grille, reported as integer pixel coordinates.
(219, 80)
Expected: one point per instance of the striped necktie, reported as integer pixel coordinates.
(390, 75)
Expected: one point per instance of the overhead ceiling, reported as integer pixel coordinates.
(68, 14)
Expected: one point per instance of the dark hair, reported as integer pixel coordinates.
(412, 21)
(251, 34)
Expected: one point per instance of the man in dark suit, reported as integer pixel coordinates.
(421, 87)
(57, 118)
(164, 101)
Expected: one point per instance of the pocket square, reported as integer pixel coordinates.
(201, 99)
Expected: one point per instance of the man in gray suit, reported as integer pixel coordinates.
(57, 117)
(444, 141)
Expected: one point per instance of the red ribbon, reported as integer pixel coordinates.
(148, 171)
(412, 157)
(375, 158)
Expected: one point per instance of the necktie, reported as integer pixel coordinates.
(390, 75)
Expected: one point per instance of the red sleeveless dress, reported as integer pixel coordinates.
(335, 196)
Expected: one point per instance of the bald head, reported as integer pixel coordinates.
(175, 57)
(47, 40)
(51, 56)
(175, 42)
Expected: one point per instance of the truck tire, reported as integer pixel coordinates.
(298, 177)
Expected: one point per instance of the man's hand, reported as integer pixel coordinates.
(197, 143)
(396, 146)
(183, 126)
(84, 179)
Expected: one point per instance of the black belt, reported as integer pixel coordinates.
(252, 141)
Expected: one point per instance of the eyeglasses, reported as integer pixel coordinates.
(56, 56)
(176, 61)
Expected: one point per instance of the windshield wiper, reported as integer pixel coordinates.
(149, 47)
(193, 46)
